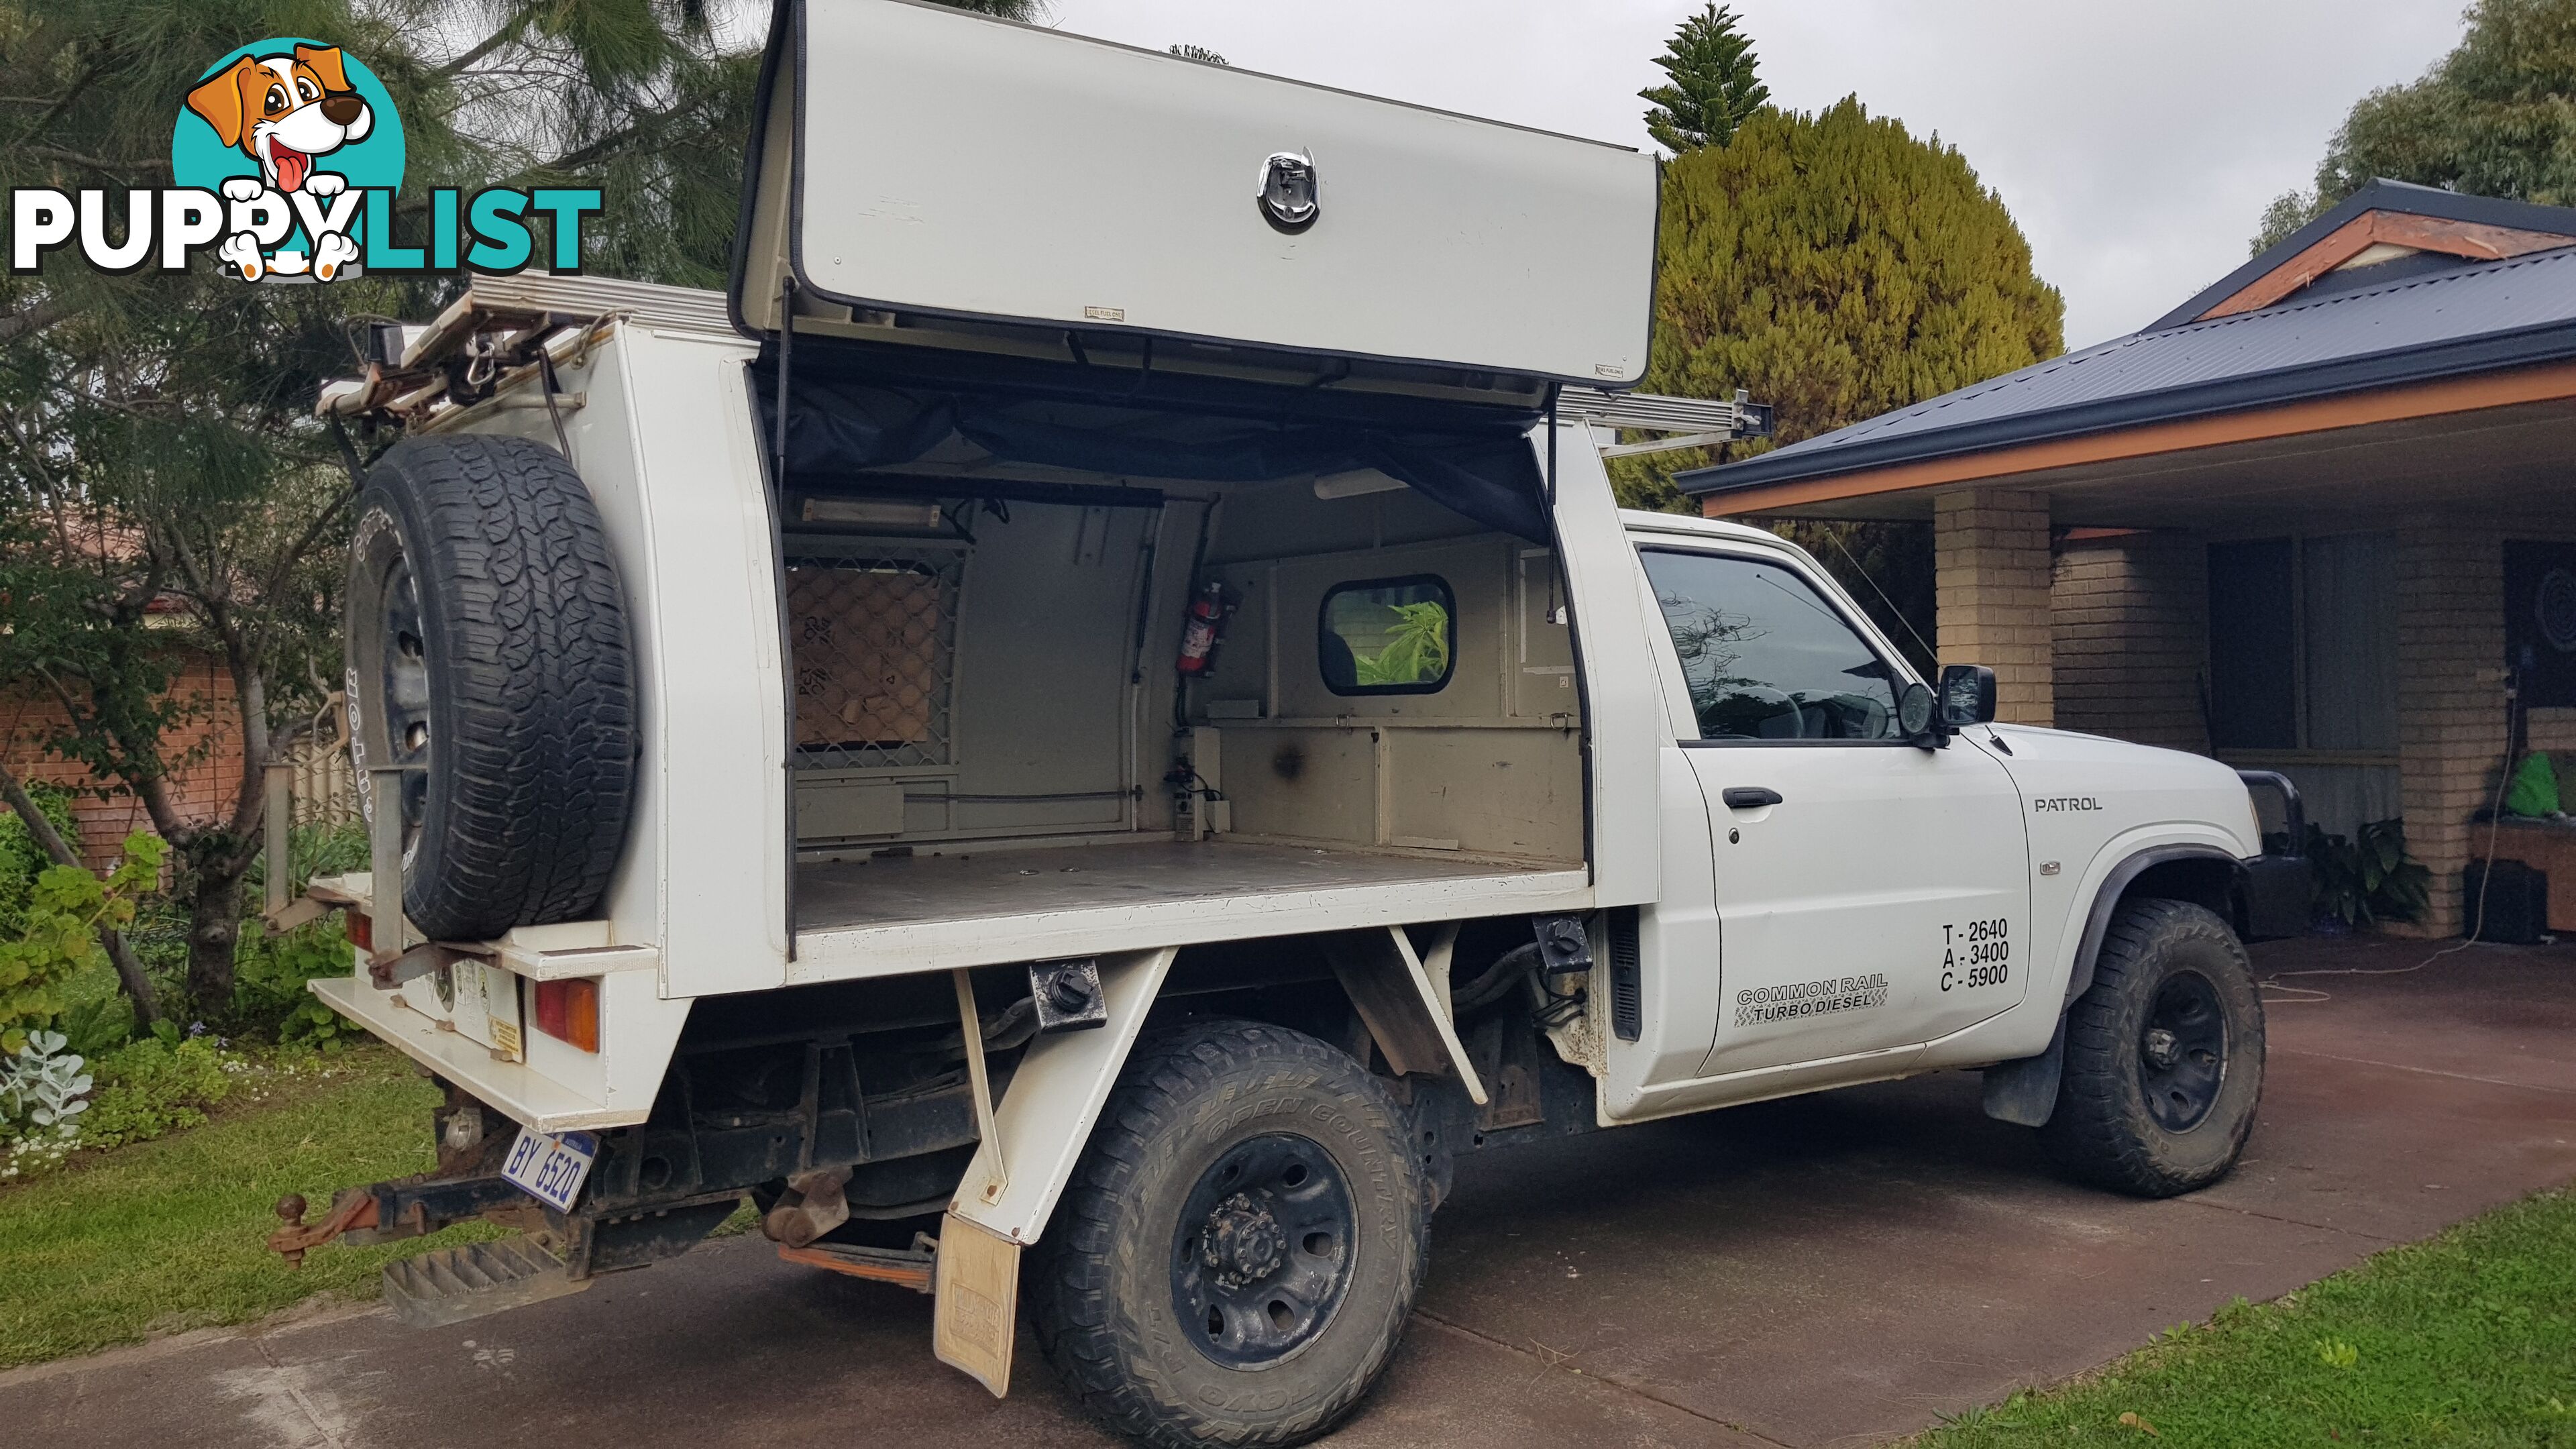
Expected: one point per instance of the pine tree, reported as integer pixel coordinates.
(1836, 267)
(2495, 117)
(1714, 86)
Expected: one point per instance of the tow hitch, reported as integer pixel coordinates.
(556, 1253)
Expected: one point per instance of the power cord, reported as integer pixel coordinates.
(2477, 916)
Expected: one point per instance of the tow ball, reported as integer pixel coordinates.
(352, 1210)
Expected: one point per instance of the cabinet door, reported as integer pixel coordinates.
(1870, 893)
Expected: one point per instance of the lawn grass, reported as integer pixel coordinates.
(167, 1235)
(2467, 1339)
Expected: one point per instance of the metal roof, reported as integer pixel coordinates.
(2416, 326)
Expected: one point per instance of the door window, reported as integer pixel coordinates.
(1765, 656)
(1388, 636)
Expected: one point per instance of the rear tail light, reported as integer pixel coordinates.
(360, 931)
(568, 1011)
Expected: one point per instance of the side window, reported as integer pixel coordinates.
(1388, 636)
(1766, 658)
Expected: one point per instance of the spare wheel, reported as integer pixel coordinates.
(488, 660)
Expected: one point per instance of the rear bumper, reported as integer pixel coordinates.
(2280, 896)
(528, 1097)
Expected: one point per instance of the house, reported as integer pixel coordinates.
(2319, 518)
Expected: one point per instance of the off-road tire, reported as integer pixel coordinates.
(1103, 1286)
(2103, 1130)
(521, 811)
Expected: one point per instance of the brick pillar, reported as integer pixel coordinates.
(1991, 571)
(2450, 697)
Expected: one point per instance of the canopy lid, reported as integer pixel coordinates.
(914, 161)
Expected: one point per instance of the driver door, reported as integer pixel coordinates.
(1871, 894)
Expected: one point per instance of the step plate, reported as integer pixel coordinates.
(473, 1279)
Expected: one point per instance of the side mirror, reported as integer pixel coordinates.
(1967, 696)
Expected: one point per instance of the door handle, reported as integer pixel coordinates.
(1749, 797)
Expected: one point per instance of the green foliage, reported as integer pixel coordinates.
(2464, 1340)
(99, 1024)
(1713, 86)
(269, 994)
(152, 1088)
(22, 859)
(1416, 649)
(58, 933)
(2495, 117)
(1837, 268)
(2369, 878)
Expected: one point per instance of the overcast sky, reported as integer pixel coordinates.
(2136, 144)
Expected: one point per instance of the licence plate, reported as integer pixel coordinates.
(551, 1166)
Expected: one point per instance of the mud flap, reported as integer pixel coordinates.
(977, 1309)
(2025, 1091)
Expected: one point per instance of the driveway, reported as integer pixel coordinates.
(1831, 1270)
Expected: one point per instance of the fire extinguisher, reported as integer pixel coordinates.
(1204, 630)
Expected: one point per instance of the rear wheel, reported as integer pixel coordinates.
(2164, 1055)
(1235, 1258)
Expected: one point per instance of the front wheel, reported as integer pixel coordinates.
(1237, 1253)
(2164, 1055)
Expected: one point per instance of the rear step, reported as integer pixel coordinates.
(468, 1281)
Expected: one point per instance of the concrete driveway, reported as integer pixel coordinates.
(1833, 1270)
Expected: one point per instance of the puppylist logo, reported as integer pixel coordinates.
(288, 157)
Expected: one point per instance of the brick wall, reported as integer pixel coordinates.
(1990, 557)
(202, 790)
(2450, 695)
(2130, 623)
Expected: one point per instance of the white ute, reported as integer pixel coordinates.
(1089, 726)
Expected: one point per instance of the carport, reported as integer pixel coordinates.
(2320, 518)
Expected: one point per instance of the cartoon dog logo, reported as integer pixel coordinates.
(286, 112)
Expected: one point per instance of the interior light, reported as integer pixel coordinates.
(1355, 482)
(890, 513)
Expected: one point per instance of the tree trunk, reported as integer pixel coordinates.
(129, 971)
(214, 926)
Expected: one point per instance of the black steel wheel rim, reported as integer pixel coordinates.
(403, 691)
(2182, 1051)
(1262, 1255)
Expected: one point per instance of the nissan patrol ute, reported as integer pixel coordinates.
(1090, 725)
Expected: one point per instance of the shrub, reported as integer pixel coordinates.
(2368, 878)
(58, 933)
(269, 973)
(152, 1087)
(41, 1088)
(22, 859)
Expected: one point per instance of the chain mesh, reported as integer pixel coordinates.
(875, 644)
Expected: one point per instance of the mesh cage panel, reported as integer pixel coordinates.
(875, 645)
